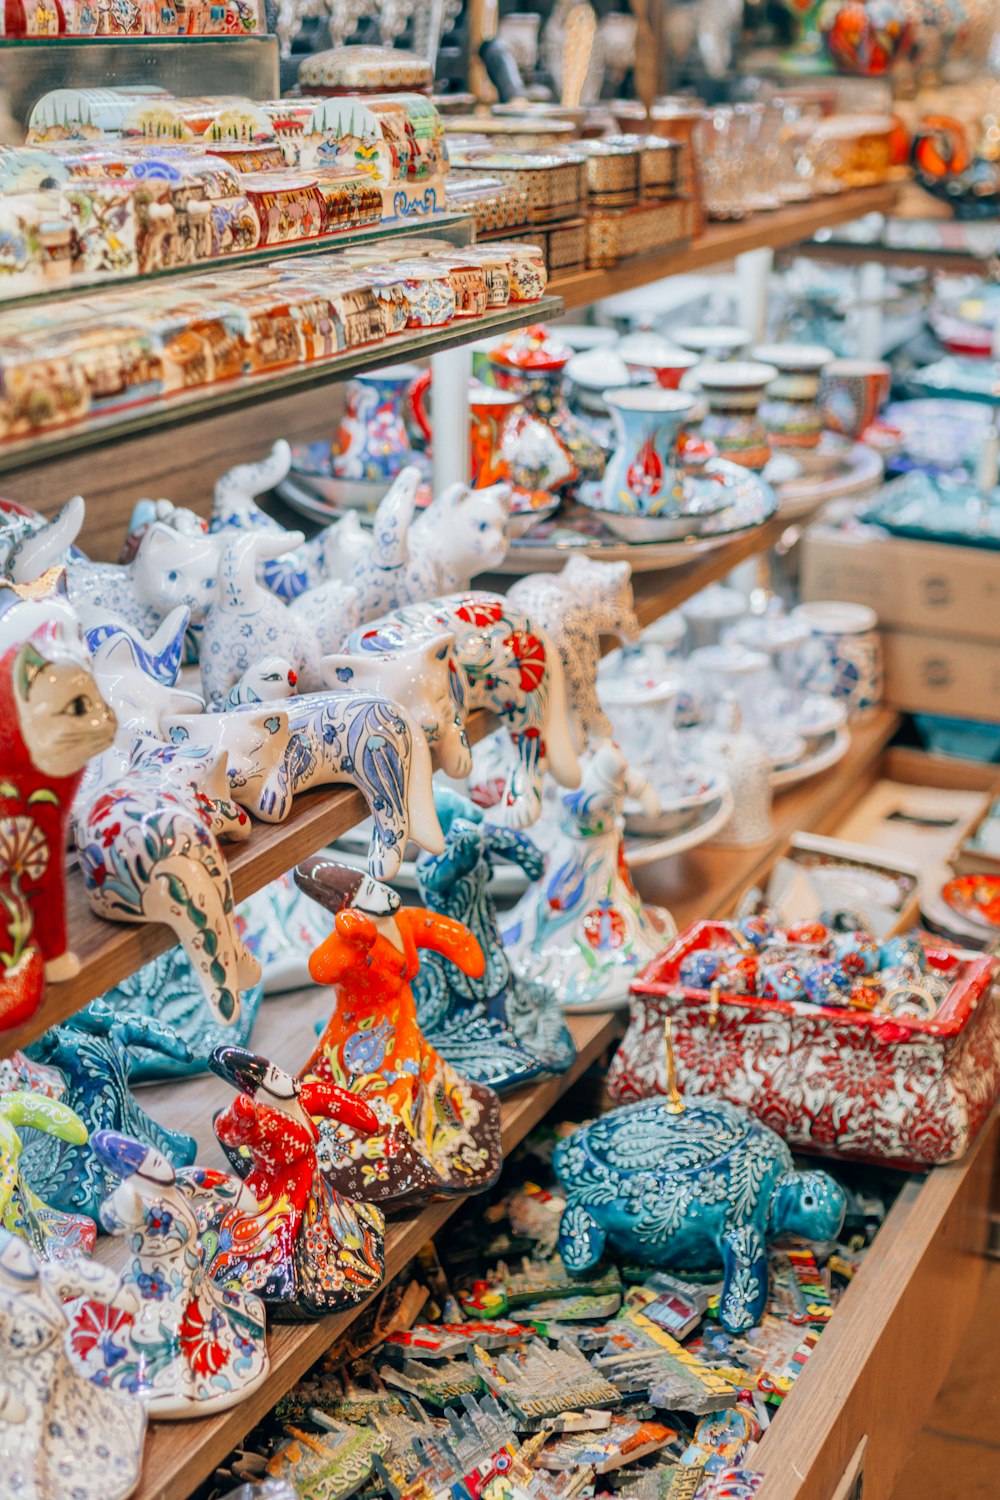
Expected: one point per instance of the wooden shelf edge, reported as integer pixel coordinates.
(722, 241)
(180, 1455)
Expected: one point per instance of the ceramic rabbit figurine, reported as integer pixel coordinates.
(309, 1251)
(91, 1052)
(577, 606)
(408, 558)
(498, 1029)
(58, 1434)
(504, 662)
(191, 1349)
(438, 1135)
(53, 719)
(583, 928)
(50, 1232)
(30, 545)
(247, 622)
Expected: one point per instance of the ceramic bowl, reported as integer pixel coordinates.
(647, 354)
(723, 341)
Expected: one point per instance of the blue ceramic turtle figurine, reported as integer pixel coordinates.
(705, 1186)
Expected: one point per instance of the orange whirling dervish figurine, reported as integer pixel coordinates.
(438, 1133)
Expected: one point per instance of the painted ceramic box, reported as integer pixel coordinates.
(348, 70)
(396, 141)
(497, 206)
(848, 1083)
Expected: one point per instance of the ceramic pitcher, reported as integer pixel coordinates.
(642, 477)
(531, 364)
(489, 411)
(373, 440)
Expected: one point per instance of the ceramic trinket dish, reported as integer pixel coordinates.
(184, 1347)
(54, 721)
(90, 1050)
(735, 389)
(505, 662)
(307, 1250)
(578, 606)
(51, 1233)
(583, 929)
(694, 1185)
(438, 1134)
(59, 1434)
(497, 1029)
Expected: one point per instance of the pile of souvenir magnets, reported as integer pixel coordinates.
(495, 1371)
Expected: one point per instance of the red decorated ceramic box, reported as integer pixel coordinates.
(860, 1084)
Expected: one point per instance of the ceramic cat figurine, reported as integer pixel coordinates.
(30, 545)
(438, 1134)
(159, 655)
(586, 600)
(583, 929)
(505, 662)
(308, 1251)
(53, 719)
(91, 1052)
(247, 622)
(59, 1435)
(51, 1233)
(407, 558)
(496, 1029)
(190, 1349)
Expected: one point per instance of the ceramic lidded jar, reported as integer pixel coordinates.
(843, 656)
(648, 355)
(531, 363)
(373, 442)
(718, 341)
(866, 36)
(642, 477)
(734, 390)
(790, 410)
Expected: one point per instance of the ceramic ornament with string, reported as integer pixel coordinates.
(583, 928)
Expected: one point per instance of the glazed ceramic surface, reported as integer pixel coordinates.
(865, 36)
(583, 928)
(704, 1186)
(91, 1053)
(496, 1029)
(59, 1435)
(373, 441)
(843, 656)
(504, 662)
(30, 544)
(735, 390)
(307, 1250)
(642, 477)
(49, 1231)
(530, 363)
(184, 1347)
(373, 1045)
(790, 410)
(852, 393)
(53, 721)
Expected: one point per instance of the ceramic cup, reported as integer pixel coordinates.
(648, 356)
(852, 393)
(843, 656)
(734, 390)
(712, 611)
(721, 341)
(790, 410)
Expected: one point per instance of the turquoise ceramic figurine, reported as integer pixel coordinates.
(91, 1052)
(51, 1233)
(675, 1184)
(496, 1029)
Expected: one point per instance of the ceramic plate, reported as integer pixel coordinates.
(941, 917)
(936, 509)
(831, 749)
(645, 851)
(860, 472)
(693, 788)
(784, 747)
(976, 898)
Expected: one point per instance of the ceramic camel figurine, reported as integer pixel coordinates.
(309, 1250)
(438, 1134)
(91, 1052)
(577, 606)
(58, 1434)
(30, 545)
(53, 720)
(408, 557)
(583, 929)
(51, 1233)
(497, 1029)
(504, 662)
(190, 1349)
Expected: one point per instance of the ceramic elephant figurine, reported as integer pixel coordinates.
(30, 544)
(586, 600)
(91, 1051)
(58, 1434)
(191, 1349)
(504, 662)
(409, 557)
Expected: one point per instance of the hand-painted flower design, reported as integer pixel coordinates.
(603, 927)
(93, 1332)
(529, 658)
(199, 1340)
(479, 611)
(24, 849)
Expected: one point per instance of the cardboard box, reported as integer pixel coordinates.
(925, 586)
(940, 674)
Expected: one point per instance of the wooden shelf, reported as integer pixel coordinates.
(708, 881)
(720, 242)
(851, 253)
(180, 1455)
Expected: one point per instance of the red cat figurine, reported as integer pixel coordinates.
(52, 720)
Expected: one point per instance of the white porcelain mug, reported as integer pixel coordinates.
(843, 655)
